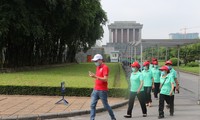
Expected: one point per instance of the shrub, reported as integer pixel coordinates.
(175, 61)
(55, 91)
(193, 64)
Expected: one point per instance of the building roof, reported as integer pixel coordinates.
(166, 42)
(125, 25)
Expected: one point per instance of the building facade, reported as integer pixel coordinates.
(183, 36)
(122, 36)
(82, 57)
(124, 31)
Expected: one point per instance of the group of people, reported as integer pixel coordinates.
(163, 81)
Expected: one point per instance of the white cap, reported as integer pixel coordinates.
(97, 57)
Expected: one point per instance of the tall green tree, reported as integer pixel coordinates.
(36, 32)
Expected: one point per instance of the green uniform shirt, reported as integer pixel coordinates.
(156, 75)
(147, 77)
(135, 80)
(151, 66)
(166, 87)
(174, 75)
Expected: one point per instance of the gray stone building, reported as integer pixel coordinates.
(122, 36)
(124, 31)
(82, 57)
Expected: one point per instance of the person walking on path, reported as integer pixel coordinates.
(173, 73)
(100, 90)
(156, 76)
(151, 63)
(148, 83)
(166, 91)
(136, 89)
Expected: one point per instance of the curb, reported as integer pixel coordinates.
(187, 90)
(61, 114)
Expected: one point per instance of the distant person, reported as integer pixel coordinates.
(166, 91)
(136, 89)
(100, 90)
(151, 63)
(148, 83)
(156, 76)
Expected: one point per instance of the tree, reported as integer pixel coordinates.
(190, 53)
(36, 32)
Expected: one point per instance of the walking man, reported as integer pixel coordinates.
(100, 90)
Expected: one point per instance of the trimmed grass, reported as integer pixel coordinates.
(195, 70)
(161, 63)
(74, 75)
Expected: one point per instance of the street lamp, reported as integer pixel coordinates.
(131, 54)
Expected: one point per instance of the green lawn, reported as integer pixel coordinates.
(189, 69)
(184, 68)
(74, 75)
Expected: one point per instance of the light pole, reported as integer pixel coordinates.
(198, 102)
(132, 44)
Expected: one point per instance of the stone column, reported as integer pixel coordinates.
(141, 51)
(110, 35)
(115, 35)
(135, 52)
(122, 35)
(139, 35)
(127, 35)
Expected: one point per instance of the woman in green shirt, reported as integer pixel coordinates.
(148, 83)
(136, 89)
(156, 76)
(174, 75)
(166, 91)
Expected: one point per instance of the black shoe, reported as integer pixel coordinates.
(144, 115)
(160, 116)
(127, 116)
(171, 114)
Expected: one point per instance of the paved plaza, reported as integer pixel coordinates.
(13, 106)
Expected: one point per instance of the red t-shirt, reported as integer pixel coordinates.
(101, 71)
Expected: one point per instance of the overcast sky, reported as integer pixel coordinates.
(159, 17)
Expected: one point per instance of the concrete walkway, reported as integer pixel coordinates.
(185, 108)
(33, 107)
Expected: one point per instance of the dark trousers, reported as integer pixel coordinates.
(147, 94)
(141, 99)
(156, 89)
(173, 97)
(168, 99)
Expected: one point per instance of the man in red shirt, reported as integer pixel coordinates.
(100, 90)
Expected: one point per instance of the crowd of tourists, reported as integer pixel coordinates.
(162, 80)
(143, 79)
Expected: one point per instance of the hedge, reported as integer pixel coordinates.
(193, 64)
(56, 91)
(175, 61)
